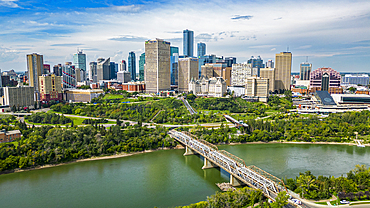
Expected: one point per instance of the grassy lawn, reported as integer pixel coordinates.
(111, 96)
(322, 203)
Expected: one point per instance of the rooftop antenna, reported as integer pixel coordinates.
(306, 59)
(287, 50)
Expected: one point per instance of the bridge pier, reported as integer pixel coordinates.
(189, 151)
(208, 164)
(235, 182)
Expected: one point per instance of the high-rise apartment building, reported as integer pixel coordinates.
(79, 61)
(35, 67)
(269, 73)
(201, 49)
(141, 67)
(19, 96)
(46, 69)
(188, 69)
(241, 72)
(132, 65)
(50, 87)
(157, 74)
(93, 72)
(217, 70)
(103, 69)
(188, 43)
(69, 76)
(256, 63)
(283, 67)
(304, 71)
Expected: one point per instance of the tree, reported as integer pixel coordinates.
(352, 89)
(281, 200)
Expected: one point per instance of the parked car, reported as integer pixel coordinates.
(344, 202)
(296, 201)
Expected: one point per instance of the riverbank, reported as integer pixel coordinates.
(166, 148)
(123, 154)
(290, 142)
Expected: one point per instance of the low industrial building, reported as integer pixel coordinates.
(9, 136)
(81, 95)
(353, 99)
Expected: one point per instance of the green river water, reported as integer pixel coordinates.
(165, 178)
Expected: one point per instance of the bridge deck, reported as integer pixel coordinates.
(231, 164)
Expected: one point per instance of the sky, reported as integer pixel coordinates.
(330, 33)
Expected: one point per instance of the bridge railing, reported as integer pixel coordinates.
(230, 163)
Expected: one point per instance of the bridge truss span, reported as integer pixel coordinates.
(235, 166)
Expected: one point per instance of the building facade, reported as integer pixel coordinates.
(355, 79)
(269, 73)
(81, 95)
(93, 72)
(124, 76)
(283, 67)
(112, 70)
(304, 71)
(257, 87)
(50, 87)
(132, 65)
(240, 73)
(188, 43)
(157, 73)
(188, 69)
(141, 67)
(68, 76)
(215, 86)
(269, 64)
(19, 96)
(325, 79)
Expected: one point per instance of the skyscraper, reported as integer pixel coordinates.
(188, 69)
(122, 65)
(112, 70)
(93, 72)
(188, 43)
(174, 65)
(157, 74)
(132, 65)
(283, 62)
(230, 61)
(103, 69)
(201, 49)
(174, 50)
(141, 67)
(69, 76)
(79, 61)
(270, 64)
(304, 71)
(35, 67)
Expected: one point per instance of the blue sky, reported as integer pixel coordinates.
(331, 33)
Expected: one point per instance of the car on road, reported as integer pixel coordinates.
(344, 202)
(296, 201)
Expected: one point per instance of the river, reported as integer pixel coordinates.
(165, 178)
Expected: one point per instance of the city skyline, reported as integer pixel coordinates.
(332, 34)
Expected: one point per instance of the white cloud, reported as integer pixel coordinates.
(316, 25)
(9, 3)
